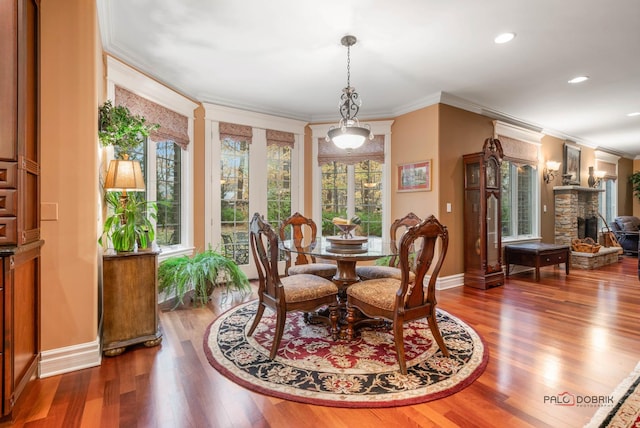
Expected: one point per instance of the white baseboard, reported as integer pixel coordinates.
(69, 359)
(450, 281)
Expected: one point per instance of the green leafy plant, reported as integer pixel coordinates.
(130, 223)
(118, 127)
(203, 272)
(635, 181)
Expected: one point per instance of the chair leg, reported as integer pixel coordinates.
(433, 325)
(333, 318)
(281, 317)
(256, 318)
(398, 338)
(351, 318)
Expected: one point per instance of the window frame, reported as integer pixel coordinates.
(382, 127)
(119, 74)
(214, 114)
(601, 156)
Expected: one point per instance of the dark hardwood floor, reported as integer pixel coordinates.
(577, 334)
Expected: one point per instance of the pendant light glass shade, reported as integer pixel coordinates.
(349, 134)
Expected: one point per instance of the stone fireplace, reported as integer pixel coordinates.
(572, 203)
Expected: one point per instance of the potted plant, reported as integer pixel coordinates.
(203, 272)
(635, 182)
(131, 222)
(119, 128)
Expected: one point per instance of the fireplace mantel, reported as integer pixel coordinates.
(576, 189)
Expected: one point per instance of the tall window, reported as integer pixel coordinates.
(167, 158)
(368, 197)
(278, 183)
(334, 195)
(608, 200)
(234, 203)
(518, 200)
(169, 193)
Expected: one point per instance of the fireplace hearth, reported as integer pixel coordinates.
(576, 210)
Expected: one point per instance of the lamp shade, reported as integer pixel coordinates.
(124, 175)
(348, 137)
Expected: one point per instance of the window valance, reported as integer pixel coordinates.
(610, 169)
(236, 132)
(518, 150)
(173, 126)
(280, 138)
(370, 150)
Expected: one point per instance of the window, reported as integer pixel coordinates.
(519, 191)
(169, 193)
(608, 200)
(278, 183)
(368, 196)
(334, 195)
(166, 157)
(351, 184)
(520, 181)
(234, 203)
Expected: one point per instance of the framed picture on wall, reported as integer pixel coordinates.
(571, 167)
(414, 177)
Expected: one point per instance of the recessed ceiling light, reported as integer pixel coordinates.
(504, 38)
(635, 113)
(579, 79)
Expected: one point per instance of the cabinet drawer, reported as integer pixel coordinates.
(553, 258)
(8, 231)
(8, 175)
(8, 202)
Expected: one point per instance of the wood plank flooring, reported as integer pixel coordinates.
(577, 334)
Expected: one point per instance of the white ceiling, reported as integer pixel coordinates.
(284, 57)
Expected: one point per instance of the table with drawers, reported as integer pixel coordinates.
(537, 254)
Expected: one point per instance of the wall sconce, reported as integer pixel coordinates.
(595, 177)
(550, 170)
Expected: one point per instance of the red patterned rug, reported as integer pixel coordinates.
(625, 413)
(312, 368)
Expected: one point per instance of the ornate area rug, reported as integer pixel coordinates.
(625, 412)
(312, 368)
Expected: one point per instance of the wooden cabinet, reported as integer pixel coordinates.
(130, 301)
(482, 217)
(19, 198)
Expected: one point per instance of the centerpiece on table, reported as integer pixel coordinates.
(346, 242)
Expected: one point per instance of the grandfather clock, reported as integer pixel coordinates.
(482, 217)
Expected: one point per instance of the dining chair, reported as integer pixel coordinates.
(398, 227)
(401, 300)
(303, 292)
(304, 264)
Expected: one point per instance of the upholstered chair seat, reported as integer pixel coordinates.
(377, 272)
(303, 287)
(325, 270)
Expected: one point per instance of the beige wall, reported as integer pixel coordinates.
(552, 149)
(636, 202)
(461, 132)
(198, 179)
(625, 192)
(70, 72)
(414, 137)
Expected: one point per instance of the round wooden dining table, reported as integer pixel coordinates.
(372, 248)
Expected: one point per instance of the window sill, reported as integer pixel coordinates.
(521, 240)
(175, 250)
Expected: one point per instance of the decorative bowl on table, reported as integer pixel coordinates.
(346, 229)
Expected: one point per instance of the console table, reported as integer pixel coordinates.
(537, 254)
